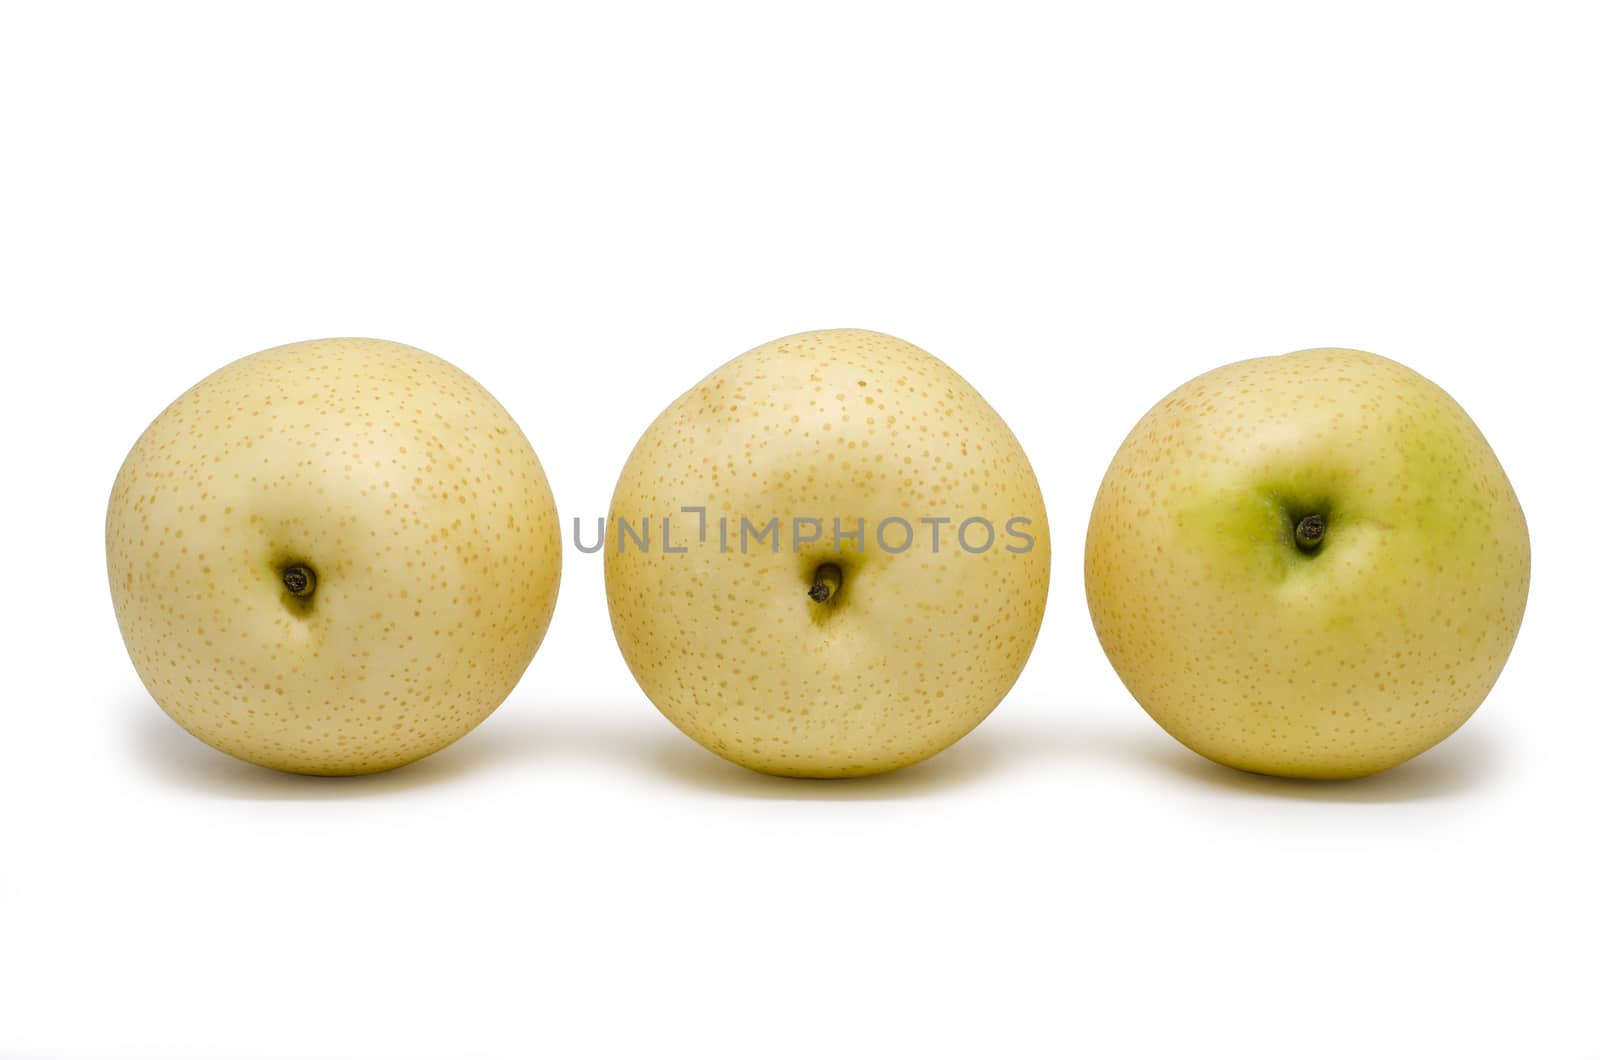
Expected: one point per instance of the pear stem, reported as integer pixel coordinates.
(825, 583)
(300, 580)
(1309, 533)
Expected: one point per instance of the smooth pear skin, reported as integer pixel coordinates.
(915, 648)
(1333, 663)
(409, 492)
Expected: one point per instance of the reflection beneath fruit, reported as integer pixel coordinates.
(969, 761)
(179, 759)
(1467, 761)
(1027, 746)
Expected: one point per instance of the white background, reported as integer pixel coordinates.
(1078, 207)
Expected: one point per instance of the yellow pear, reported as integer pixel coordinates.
(819, 595)
(1309, 565)
(332, 557)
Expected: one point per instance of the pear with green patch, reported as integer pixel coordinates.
(1310, 565)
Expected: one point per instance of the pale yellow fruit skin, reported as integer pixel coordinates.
(1336, 664)
(410, 492)
(920, 646)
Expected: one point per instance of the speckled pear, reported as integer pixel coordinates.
(828, 658)
(1310, 565)
(332, 557)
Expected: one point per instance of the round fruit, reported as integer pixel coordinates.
(332, 557)
(761, 626)
(1309, 565)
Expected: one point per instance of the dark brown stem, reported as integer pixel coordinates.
(300, 580)
(825, 583)
(1309, 533)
